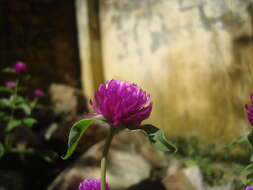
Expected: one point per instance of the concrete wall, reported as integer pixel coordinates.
(193, 56)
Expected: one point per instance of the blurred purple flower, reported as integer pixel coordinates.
(91, 184)
(20, 67)
(38, 92)
(249, 188)
(122, 103)
(10, 84)
(250, 110)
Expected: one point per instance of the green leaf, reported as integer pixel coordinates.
(76, 132)
(29, 122)
(3, 116)
(5, 89)
(6, 103)
(249, 176)
(20, 89)
(250, 137)
(157, 138)
(26, 108)
(251, 158)
(16, 99)
(250, 166)
(22, 150)
(12, 124)
(33, 104)
(2, 150)
(8, 70)
(47, 155)
(27, 77)
(239, 141)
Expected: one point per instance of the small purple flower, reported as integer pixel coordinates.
(20, 67)
(91, 184)
(122, 103)
(10, 84)
(250, 110)
(249, 188)
(38, 92)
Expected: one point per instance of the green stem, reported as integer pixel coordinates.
(22, 150)
(14, 96)
(104, 157)
(15, 93)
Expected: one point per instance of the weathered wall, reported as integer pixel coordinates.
(43, 34)
(193, 56)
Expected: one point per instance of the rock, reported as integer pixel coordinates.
(51, 130)
(194, 175)
(189, 178)
(148, 184)
(67, 100)
(132, 159)
(23, 137)
(11, 180)
(183, 179)
(227, 186)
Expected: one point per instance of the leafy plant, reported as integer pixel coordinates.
(16, 110)
(122, 105)
(248, 169)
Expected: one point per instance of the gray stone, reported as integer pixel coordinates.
(132, 159)
(67, 101)
(227, 186)
(11, 180)
(183, 179)
(194, 175)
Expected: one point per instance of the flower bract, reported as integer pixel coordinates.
(250, 110)
(91, 184)
(10, 84)
(122, 103)
(249, 188)
(38, 92)
(20, 67)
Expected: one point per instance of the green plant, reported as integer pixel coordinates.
(16, 110)
(122, 105)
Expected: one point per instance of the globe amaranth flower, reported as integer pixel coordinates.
(10, 84)
(249, 188)
(250, 110)
(122, 103)
(38, 92)
(20, 67)
(91, 184)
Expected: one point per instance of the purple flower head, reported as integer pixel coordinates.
(10, 84)
(250, 110)
(38, 92)
(91, 184)
(249, 188)
(20, 67)
(122, 103)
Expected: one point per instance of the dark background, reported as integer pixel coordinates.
(43, 34)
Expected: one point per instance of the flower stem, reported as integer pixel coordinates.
(104, 158)
(14, 95)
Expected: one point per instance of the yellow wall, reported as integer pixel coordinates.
(195, 60)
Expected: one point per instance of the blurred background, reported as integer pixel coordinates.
(194, 57)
